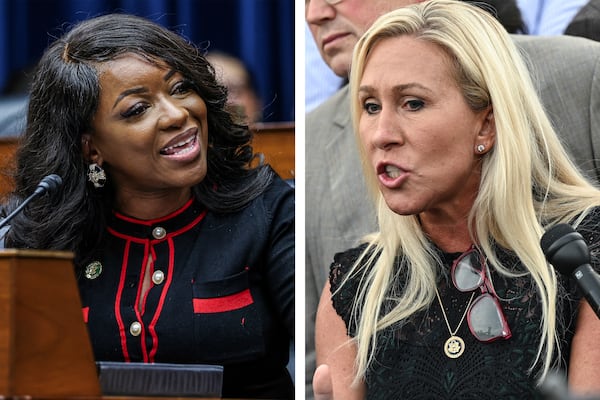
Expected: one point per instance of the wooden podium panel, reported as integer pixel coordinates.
(276, 141)
(45, 350)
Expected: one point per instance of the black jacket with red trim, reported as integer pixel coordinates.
(222, 292)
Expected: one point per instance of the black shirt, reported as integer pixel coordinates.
(409, 359)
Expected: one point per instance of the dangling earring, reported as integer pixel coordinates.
(480, 148)
(96, 175)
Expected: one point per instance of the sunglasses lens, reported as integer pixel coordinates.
(486, 319)
(466, 277)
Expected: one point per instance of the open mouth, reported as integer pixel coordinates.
(182, 145)
(391, 176)
(392, 171)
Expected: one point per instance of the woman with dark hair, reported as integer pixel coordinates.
(184, 253)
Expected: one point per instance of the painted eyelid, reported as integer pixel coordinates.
(133, 110)
(179, 86)
(182, 86)
(364, 100)
(364, 95)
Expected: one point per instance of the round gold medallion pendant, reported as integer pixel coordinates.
(454, 347)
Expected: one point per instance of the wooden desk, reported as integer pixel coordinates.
(277, 142)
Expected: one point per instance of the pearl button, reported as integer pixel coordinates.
(158, 277)
(159, 232)
(135, 328)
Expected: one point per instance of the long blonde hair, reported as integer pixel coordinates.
(527, 181)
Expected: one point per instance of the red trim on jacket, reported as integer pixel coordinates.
(140, 303)
(223, 304)
(139, 311)
(161, 302)
(153, 241)
(149, 222)
(118, 317)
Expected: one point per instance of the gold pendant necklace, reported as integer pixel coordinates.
(455, 345)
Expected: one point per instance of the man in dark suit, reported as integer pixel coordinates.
(586, 22)
(338, 210)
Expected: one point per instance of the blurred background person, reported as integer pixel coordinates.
(506, 11)
(260, 33)
(241, 89)
(586, 22)
(13, 102)
(320, 81)
(549, 17)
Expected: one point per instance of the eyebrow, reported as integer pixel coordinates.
(125, 93)
(397, 88)
(138, 90)
(169, 74)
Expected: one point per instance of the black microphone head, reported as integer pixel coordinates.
(565, 248)
(553, 234)
(49, 184)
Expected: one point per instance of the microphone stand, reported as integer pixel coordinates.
(16, 211)
(48, 184)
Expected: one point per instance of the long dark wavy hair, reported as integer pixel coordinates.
(64, 97)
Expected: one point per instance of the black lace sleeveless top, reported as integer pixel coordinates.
(410, 362)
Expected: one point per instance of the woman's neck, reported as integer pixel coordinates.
(450, 234)
(146, 206)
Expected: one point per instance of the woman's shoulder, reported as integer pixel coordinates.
(279, 184)
(273, 205)
(270, 212)
(347, 258)
(277, 189)
(346, 281)
(343, 264)
(277, 201)
(274, 193)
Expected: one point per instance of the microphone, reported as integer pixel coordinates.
(568, 252)
(47, 185)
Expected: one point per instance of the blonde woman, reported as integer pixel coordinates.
(453, 296)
